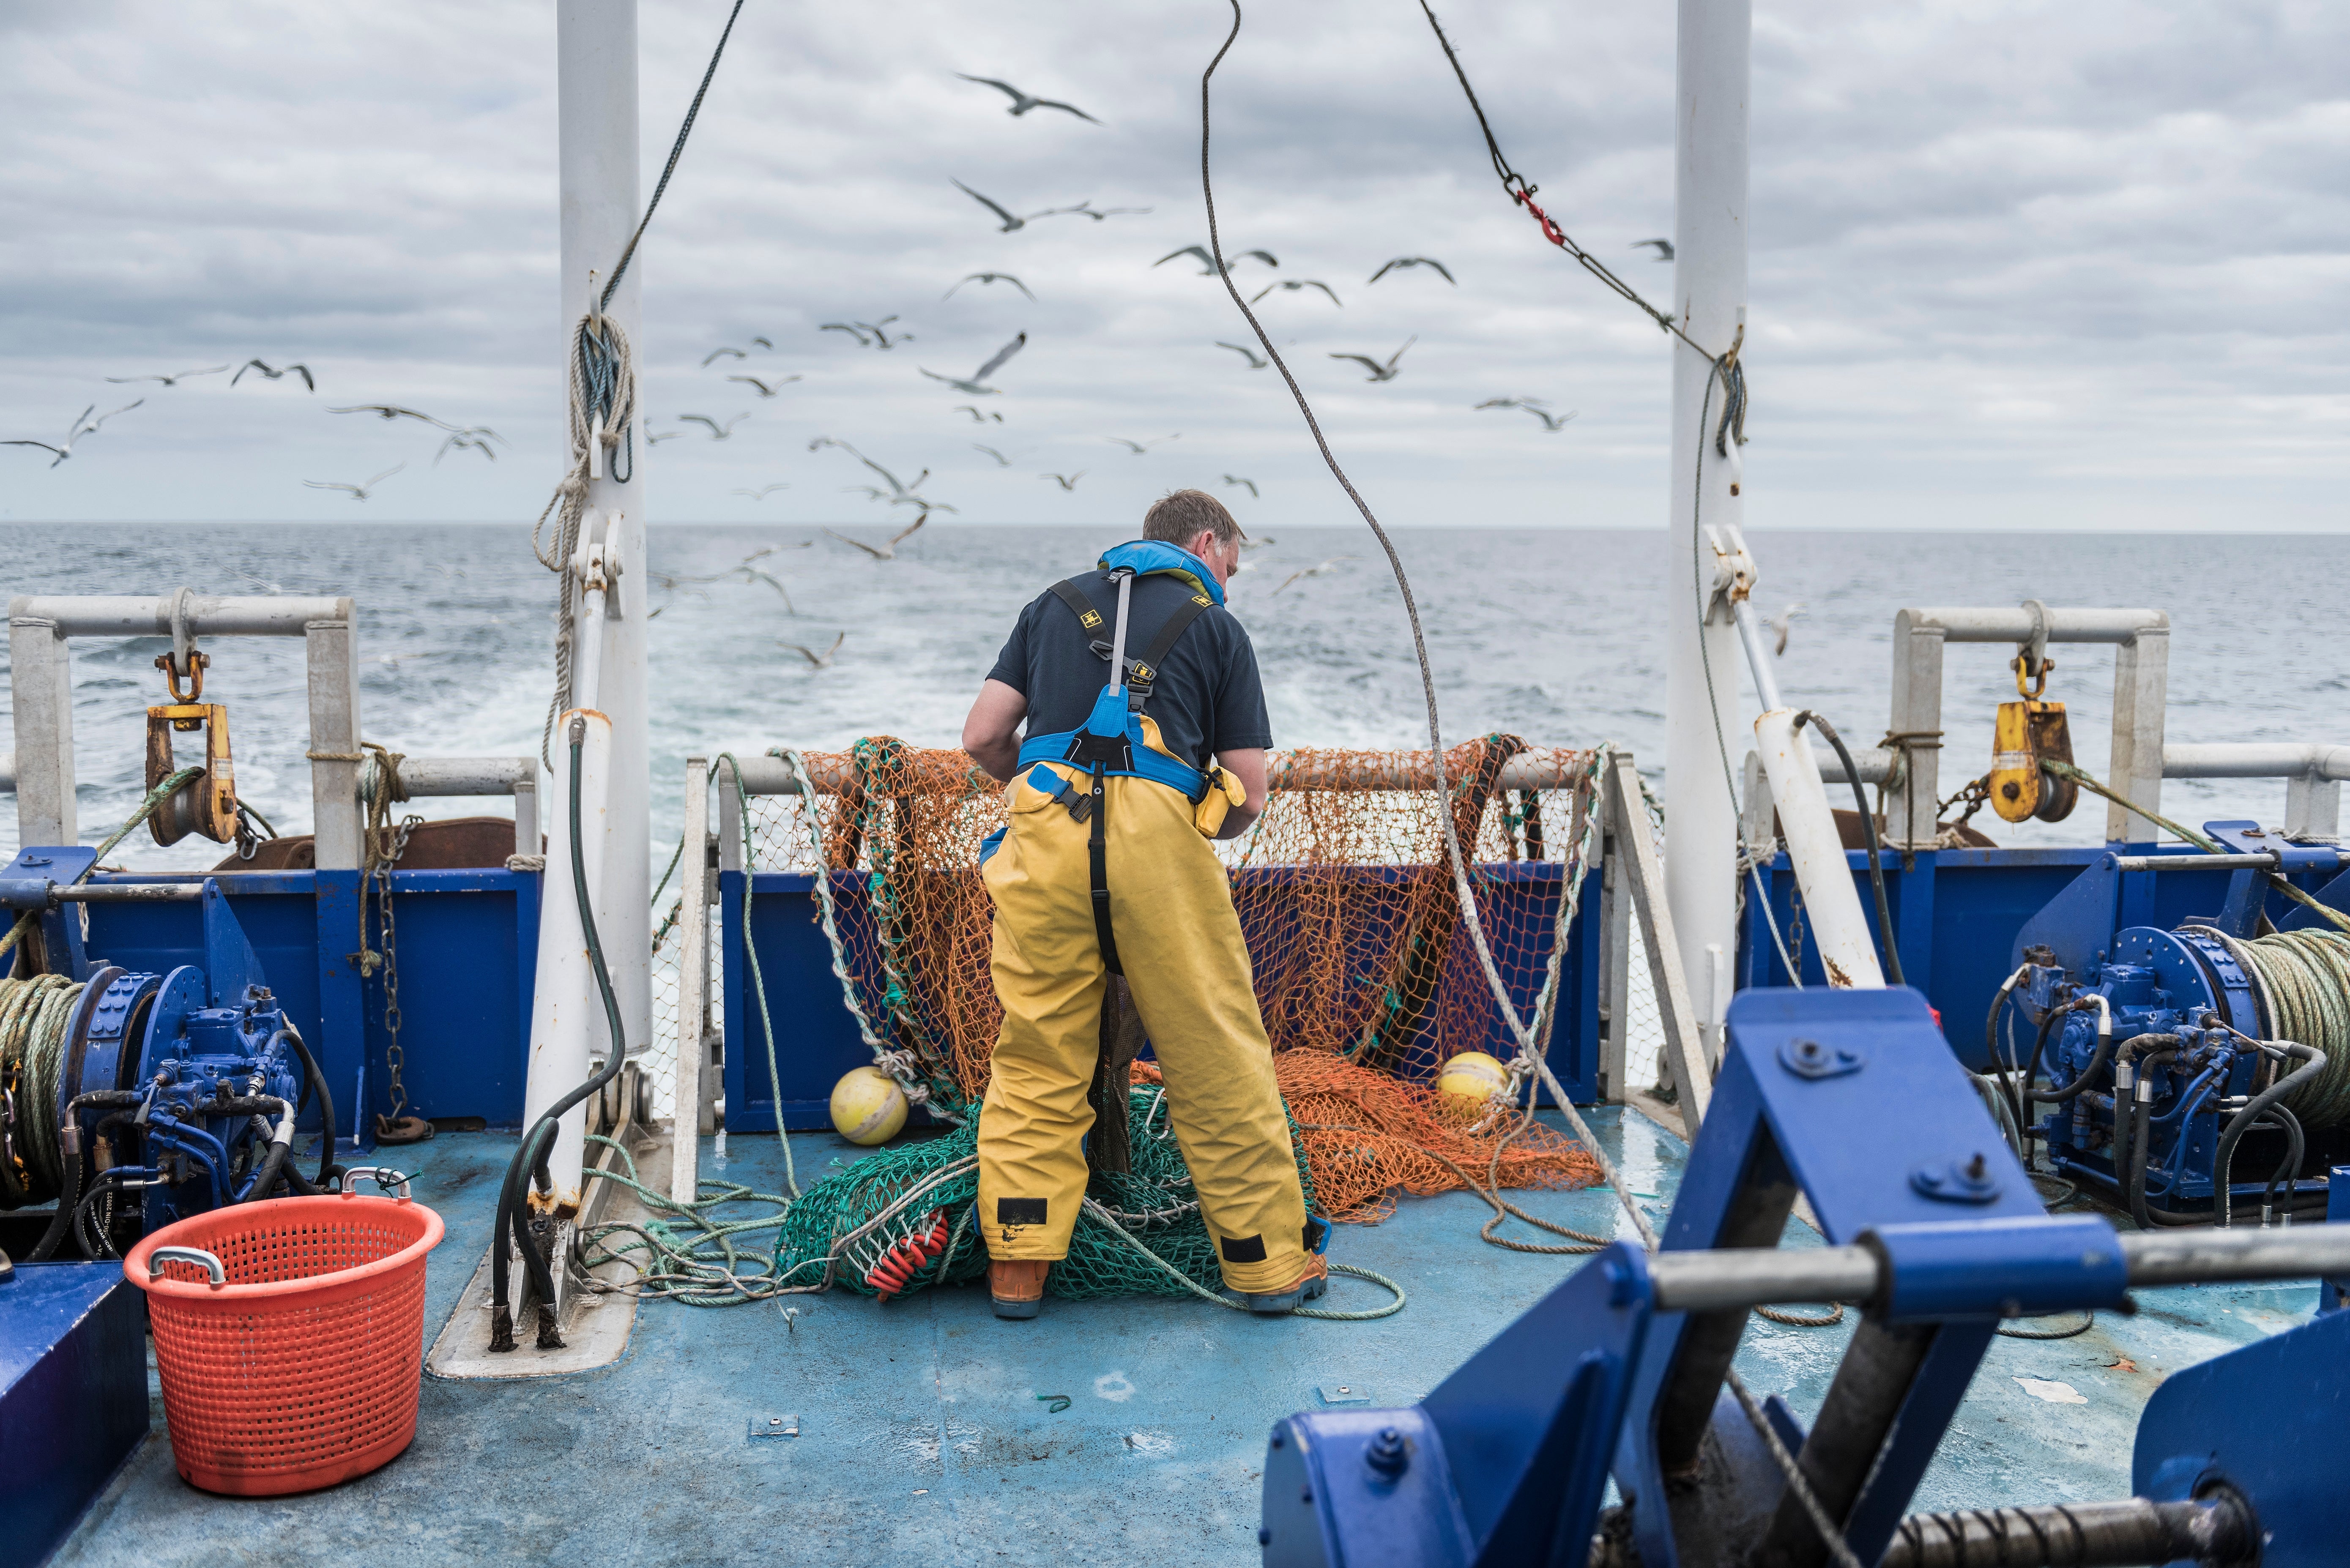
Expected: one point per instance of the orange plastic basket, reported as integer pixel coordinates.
(290, 1337)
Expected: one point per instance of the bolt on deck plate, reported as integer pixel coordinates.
(1344, 1394)
(774, 1426)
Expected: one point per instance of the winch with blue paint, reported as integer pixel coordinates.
(135, 1099)
(2159, 1066)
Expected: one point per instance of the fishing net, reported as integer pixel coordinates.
(899, 1219)
(1364, 970)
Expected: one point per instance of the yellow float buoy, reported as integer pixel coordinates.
(867, 1106)
(1470, 1082)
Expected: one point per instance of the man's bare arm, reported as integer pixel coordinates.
(1248, 766)
(992, 733)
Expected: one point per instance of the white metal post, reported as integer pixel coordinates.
(596, 47)
(1709, 298)
(41, 691)
(330, 654)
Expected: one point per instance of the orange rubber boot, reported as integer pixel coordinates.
(1017, 1284)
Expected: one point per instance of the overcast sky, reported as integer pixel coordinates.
(2015, 265)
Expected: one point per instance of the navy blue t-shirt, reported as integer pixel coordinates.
(1207, 699)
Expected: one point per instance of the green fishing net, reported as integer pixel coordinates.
(928, 1189)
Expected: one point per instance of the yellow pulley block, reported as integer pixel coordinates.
(207, 802)
(2028, 732)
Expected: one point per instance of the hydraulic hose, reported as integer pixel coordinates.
(2096, 1064)
(318, 1080)
(530, 1159)
(1868, 826)
(2024, 1098)
(1991, 1042)
(281, 1144)
(69, 1158)
(2313, 1066)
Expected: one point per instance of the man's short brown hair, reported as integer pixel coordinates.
(1177, 517)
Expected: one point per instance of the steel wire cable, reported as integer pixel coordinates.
(1831, 1536)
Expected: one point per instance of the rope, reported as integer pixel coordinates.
(898, 1065)
(2276, 879)
(603, 406)
(2304, 979)
(1095, 1212)
(1522, 191)
(32, 1016)
(691, 1258)
(759, 981)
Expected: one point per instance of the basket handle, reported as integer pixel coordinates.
(383, 1176)
(211, 1265)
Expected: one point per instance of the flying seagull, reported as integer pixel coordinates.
(1379, 372)
(1246, 353)
(862, 342)
(879, 330)
(1415, 261)
(976, 416)
(1001, 461)
(1664, 248)
(1782, 623)
(82, 425)
(359, 492)
(1021, 102)
(1066, 481)
(1140, 447)
(717, 430)
(715, 353)
(984, 278)
(1208, 262)
(1315, 571)
(174, 379)
(1085, 209)
(392, 411)
(1256, 543)
(765, 390)
(1013, 221)
(889, 551)
(1537, 407)
(1293, 285)
(1236, 479)
(301, 370)
(765, 343)
(475, 439)
(653, 438)
(901, 493)
(1551, 421)
(821, 661)
(762, 492)
(975, 386)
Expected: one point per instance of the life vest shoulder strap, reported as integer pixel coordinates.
(1141, 671)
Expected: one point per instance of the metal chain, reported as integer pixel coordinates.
(395, 1058)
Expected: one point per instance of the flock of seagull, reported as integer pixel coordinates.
(882, 337)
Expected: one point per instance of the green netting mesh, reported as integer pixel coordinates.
(927, 1186)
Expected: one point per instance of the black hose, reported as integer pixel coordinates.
(2289, 1170)
(2312, 1062)
(317, 1080)
(265, 1180)
(532, 1156)
(2096, 1064)
(2024, 1098)
(1990, 1049)
(69, 1157)
(1869, 825)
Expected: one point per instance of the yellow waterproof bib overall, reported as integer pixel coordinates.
(1180, 944)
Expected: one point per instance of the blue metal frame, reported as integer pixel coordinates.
(73, 1396)
(1962, 916)
(817, 1041)
(1850, 1099)
(468, 948)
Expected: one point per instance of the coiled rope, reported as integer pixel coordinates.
(32, 1017)
(2304, 981)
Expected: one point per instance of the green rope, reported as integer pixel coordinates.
(758, 981)
(689, 1256)
(1093, 1211)
(2081, 777)
(662, 885)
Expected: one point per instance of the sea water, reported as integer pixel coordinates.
(1556, 636)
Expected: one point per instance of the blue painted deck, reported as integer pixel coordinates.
(921, 1441)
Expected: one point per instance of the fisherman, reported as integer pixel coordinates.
(1147, 737)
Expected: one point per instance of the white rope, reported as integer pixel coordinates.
(596, 342)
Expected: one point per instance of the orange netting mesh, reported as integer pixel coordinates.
(1364, 970)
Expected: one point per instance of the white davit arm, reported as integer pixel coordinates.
(1847, 950)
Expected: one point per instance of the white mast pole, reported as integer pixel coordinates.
(1710, 296)
(596, 49)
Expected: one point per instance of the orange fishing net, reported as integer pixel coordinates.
(1364, 970)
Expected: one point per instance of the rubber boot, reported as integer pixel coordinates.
(1307, 1286)
(1017, 1285)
